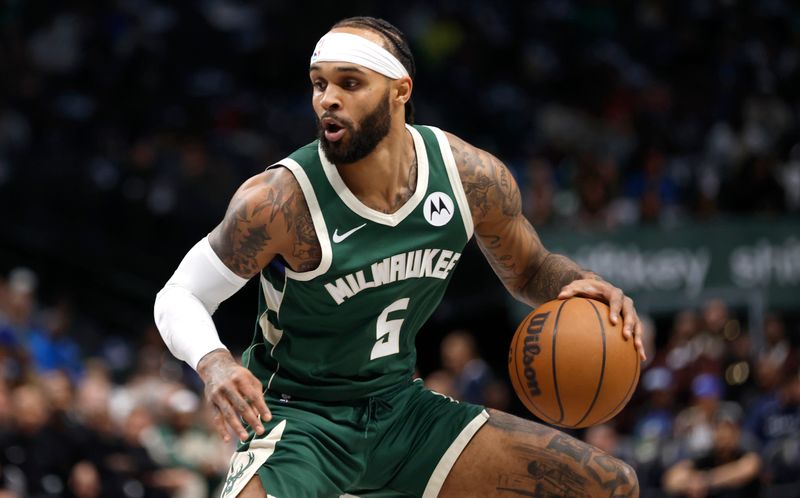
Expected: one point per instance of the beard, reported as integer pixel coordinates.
(372, 129)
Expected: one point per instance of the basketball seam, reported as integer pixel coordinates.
(555, 380)
(602, 365)
(542, 416)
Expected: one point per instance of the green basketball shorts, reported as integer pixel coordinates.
(400, 444)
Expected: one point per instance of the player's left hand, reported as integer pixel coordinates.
(618, 303)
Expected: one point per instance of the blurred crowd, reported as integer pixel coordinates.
(77, 421)
(146, 114)
(126, 125)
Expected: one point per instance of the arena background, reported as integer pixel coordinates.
(655, 142)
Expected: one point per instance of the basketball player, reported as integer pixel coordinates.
(354, 238)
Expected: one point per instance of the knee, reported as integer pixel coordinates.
(629, 485)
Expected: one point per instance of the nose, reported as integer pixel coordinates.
(330, 98)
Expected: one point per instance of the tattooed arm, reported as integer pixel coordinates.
(267, 217)
(531, 274)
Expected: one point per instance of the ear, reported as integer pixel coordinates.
(402, 90)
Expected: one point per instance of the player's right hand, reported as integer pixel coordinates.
(234, 393)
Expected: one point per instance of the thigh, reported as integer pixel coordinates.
(510, 456)
(253, 489)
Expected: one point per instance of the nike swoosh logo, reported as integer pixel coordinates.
(338, 238)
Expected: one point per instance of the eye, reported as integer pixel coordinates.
(350, 84)
(318, 85)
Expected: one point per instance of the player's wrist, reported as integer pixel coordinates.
(214, 359)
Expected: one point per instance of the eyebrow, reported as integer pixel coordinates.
(340, 69)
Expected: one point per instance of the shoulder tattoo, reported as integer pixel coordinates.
(268, 215)
(487, 182)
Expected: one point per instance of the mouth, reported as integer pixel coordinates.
(332, 129)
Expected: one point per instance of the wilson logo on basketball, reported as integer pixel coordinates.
(532, 349)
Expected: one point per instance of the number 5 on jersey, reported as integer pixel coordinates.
(388, 331)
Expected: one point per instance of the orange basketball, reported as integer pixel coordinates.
(570, 366)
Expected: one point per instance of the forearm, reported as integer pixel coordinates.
(735, 473)
(185, 325)
(676, 479)
(183, 308)
(552, 274)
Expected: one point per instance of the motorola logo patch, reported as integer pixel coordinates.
(438, 209)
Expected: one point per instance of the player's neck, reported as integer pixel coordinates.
(387, 174)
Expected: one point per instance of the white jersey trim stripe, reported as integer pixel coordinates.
(273, 296)
(352, 202)
(319, 223)
(244, 464)
(450, 456)
(272, 334)
(455, 180)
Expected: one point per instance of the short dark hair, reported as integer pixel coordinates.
(396, 43)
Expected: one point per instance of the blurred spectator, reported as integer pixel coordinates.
(52, 347)
(776, 414)
(20, 312)
(782, 468)
(652, 432)
(777, 349)
(135, 469)
(714, 332)
(6, 407)
(184, 440)
(655, 420)
(775, 419)
(594, 195)
(693, 427)
(19, 319)
(649, 183)
(473, 379)
(681, 352)
(729, 469)
(60, 390)
(38, 461)
(539, 193)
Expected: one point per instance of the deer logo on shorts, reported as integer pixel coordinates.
(235, 475)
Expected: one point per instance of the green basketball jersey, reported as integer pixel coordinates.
(346, 329)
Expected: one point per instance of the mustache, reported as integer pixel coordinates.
(344, 122)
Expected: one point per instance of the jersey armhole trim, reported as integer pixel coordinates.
(455, 180)
(316, 217)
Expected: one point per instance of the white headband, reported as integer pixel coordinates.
(346, 47)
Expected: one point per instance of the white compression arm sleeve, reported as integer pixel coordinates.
(183, 308)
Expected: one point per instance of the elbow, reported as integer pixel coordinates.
(173, 292)
(160, 305)
(161, 308)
